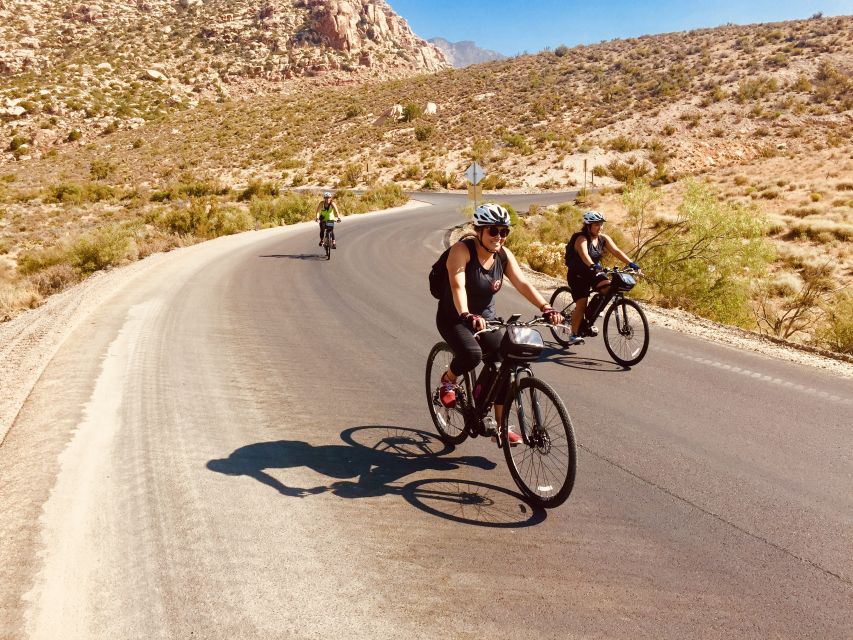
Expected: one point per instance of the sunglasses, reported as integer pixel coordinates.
(494, 231)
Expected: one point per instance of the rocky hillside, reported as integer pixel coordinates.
(105, 65)
(465, 53)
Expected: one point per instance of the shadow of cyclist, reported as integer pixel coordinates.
(558, 355)
(372, 471)
(297, 256)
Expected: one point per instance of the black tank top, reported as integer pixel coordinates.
(596, 250)
(481, 285)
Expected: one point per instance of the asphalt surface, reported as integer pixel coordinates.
(238, 446)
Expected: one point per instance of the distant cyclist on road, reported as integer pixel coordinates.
(583, 259)
(476, 267)
(327, 209)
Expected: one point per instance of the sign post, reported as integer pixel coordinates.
(475, 174)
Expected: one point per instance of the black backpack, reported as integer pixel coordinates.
(438, 278)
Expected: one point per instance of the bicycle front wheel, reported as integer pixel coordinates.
(544, 464)
(562, 301)
(450, 423)
(328, 245)
(626, 332)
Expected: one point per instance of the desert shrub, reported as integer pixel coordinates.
(258, 189)
(351, 175)
(17, 142)
(15, 296)
(383, 196)
(412, 111)
(755, 88)
(32, 262)
(627, 172)
(547, 258)
(517, 141)
(100, 169)
(493, 182)
(622, 143)
(437, 178)
(65, 192)
(54, 279)
(822, 231)
(97, 250)
(424, 132)
(740, 180)
(288, 208)
(561, 51)
(353, 111)
(74, 135)
(836, 332)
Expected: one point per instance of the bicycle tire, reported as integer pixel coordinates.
(623, 340)
(544, 465)
(562, 301)
(328, 246)
(450, 423)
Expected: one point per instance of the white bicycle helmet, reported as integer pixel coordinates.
(328, 194)
(592, 216)
(488, 214)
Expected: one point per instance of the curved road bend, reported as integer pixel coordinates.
(237, 446)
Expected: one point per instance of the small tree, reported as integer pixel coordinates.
(800, 312)
(704, 258)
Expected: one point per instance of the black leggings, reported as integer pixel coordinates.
(468, 351)
(331, 231)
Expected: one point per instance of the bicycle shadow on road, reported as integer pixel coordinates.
(372, 463)
(558, 355)
(297, 256)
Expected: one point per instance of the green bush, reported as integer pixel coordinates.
(412, 111)
(100, 249)
(424, 132)
(74, 135)
(258, 189)
(288, 208)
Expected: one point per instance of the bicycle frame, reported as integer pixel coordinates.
(478, 409)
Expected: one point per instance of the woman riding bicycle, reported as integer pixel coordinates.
(326, 209)
(583, 259)
(476, 267)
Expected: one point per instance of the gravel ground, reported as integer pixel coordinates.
(29, 341)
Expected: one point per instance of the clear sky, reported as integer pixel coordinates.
(515, 26)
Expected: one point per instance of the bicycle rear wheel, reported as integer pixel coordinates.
(450, 423)
(545, 463)
(626, 332)
(562, 301)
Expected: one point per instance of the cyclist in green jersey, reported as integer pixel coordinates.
(325, 211)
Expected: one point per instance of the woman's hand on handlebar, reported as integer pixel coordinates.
(551, 315)
(473, 321)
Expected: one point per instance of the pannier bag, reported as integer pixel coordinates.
(521, 343)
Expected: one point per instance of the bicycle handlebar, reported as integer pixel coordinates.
(494, 325)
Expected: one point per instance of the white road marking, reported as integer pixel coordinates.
(757, 375)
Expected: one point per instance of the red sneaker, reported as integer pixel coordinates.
(512, 436)
(447, 392)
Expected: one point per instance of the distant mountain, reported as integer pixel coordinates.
(464, 53)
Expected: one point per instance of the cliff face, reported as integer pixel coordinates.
(278, 39)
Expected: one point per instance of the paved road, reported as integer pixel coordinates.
(237, 446)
